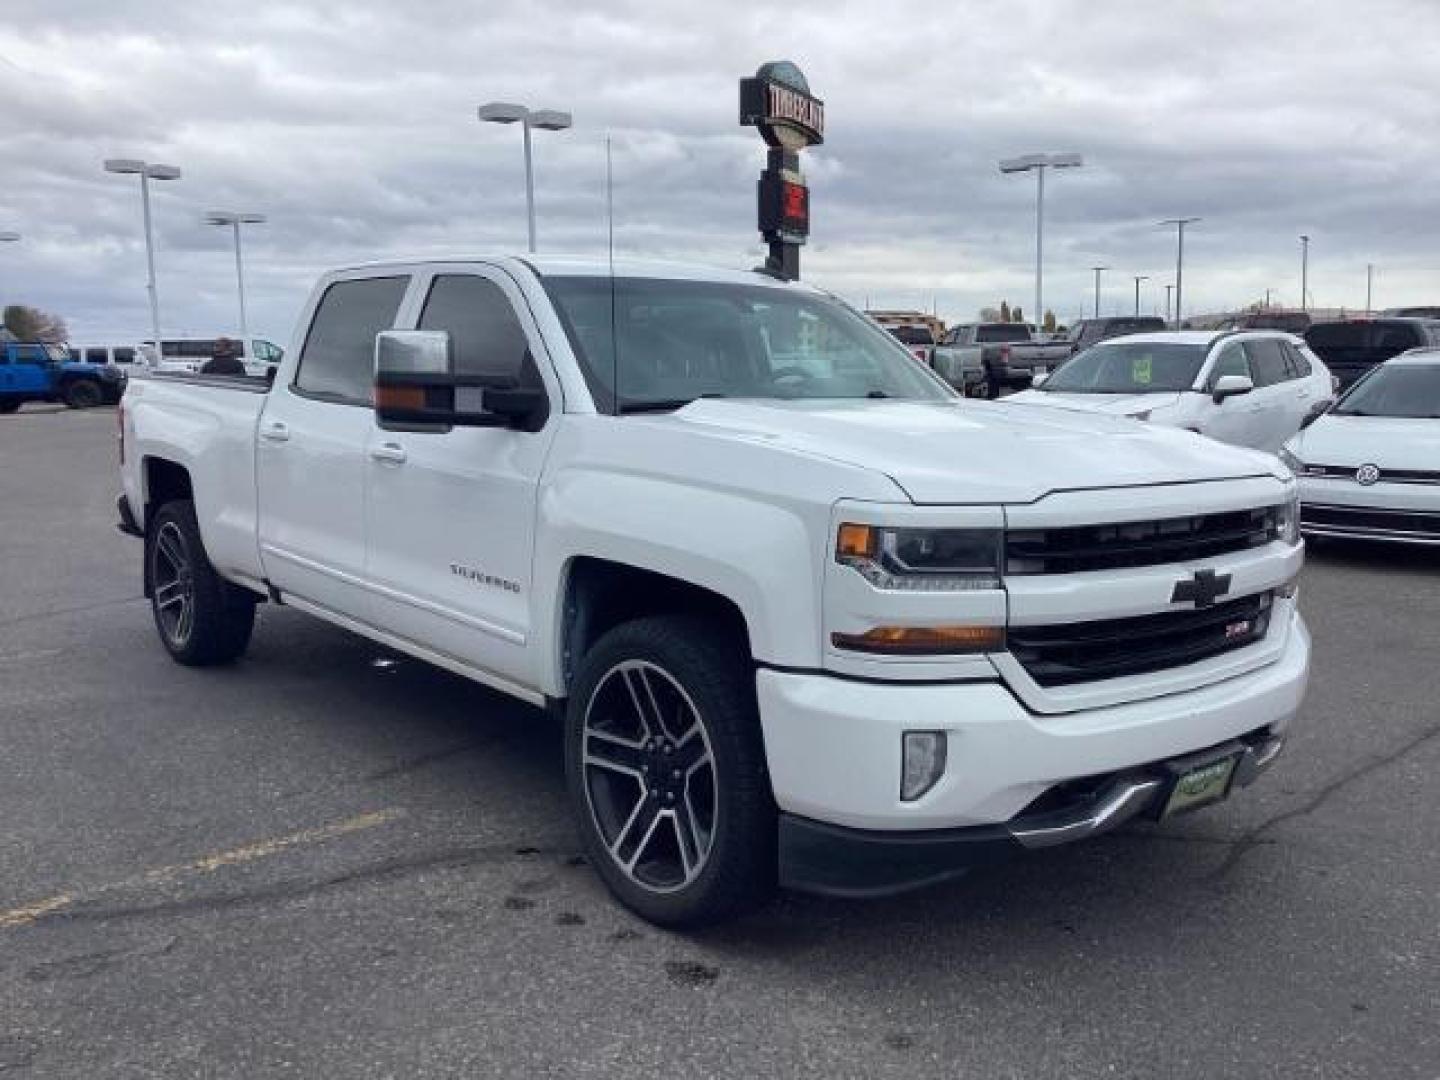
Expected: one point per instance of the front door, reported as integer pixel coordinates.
(311, 450)
(451, 515)
(1235, 420)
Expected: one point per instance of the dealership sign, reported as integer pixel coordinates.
(777, 101)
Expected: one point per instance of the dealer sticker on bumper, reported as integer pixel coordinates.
(1200, 786)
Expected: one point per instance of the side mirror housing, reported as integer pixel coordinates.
(1228, 386)
(417, 389)
(1038, 379)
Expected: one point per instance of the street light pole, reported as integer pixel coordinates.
(1179, 224)
(1139, 278)
(1038, 163)
(1098, 270)
(503, 112)
(147, 172)
(1369, 286)
(1304, 273)
(1168, 290)
(234, 221)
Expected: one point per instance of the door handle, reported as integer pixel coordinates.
(391, 452)
(276, 431)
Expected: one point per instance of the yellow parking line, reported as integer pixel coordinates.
(208, 864)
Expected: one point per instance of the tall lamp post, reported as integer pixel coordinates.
(7, 237)
(1038, 163)
(1139, 278)
(235, 220)
(1179, 224)
(504, 112)
(1168, 290)
(1304, 272)
(1098, 271)
(147, 171)
(1369, 286)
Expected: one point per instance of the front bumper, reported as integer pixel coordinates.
(1395, 512)
(836, 861)
(834, 745)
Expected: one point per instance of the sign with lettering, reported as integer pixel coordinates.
(777, 101)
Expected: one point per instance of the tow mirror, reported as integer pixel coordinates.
(1038, 379)
(1231, 386)
(417, 388)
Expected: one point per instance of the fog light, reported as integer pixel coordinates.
(924, 763)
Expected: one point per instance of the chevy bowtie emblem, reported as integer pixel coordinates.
(1202, 589)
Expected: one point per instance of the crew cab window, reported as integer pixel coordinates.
(1003, 332)
(1298, 361)
(30, 354)
(487, 337)
(337, 361)
(1266, 361)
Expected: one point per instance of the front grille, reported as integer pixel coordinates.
(1387, 476)
(1073, 548)
(1368, 519)
(1107, 649)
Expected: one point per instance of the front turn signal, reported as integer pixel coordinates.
(923, 640)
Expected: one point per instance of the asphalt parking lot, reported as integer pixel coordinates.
(328, 862)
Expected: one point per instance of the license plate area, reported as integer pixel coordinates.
(1200, 780)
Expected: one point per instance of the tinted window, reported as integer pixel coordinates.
(29, 354)
(124, 354)
(1397, 337)
(913, 335)
(1003, 332)
(1299, 362)
(1267, 362)
(96, 356)
(338, 359)
(1406, 390)
(484, 332)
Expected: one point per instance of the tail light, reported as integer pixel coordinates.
(1005, 352)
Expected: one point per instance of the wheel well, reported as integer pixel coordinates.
(600, 595)
(165, 482)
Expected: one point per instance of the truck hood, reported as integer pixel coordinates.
(1111, 404)
(976, 452)
(1389, 442)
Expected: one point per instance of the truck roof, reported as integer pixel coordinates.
(592, 266)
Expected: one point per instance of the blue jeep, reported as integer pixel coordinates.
(39, 372)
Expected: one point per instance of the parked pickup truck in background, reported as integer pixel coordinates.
(1351, 347)
(810, 617)
(40, 372)
(1089, 332)
(984, 358)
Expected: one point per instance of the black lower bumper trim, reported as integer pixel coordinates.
(833, 860)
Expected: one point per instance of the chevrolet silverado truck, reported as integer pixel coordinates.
(1006, 356)
(811, 619)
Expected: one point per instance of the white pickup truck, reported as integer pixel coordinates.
(810, 617)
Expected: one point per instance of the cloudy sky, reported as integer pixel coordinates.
(352, 125)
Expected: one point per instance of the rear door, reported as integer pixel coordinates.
(30, 370)
(451, 515)
(310, 458)
(1275, 403)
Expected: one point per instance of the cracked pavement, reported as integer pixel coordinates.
(313, 864)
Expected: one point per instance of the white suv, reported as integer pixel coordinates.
(1252, 388)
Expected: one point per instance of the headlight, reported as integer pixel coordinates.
(922, 559)
(1287, 520)
(1293, 463)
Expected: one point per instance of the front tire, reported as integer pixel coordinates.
(82, 394)
(202, 619)
(666, 770)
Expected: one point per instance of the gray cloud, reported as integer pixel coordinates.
(352, 126)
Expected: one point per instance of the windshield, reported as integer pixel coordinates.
(1129, 367)
(682, 340)
(1404, 390)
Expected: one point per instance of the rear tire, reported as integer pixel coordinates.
(202, 619)
(8, 407)
(666, 770)
(82, 394)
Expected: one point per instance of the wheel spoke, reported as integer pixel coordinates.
(606, 751)
(692, 751)
(171, 549)
(187, 615)
(169, 594)
(639, 829)
(687, 837)
(647, 712)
